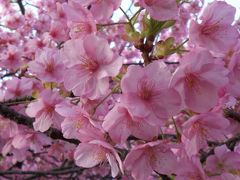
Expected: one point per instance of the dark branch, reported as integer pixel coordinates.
(13, 115)
(230, 113)
(21, 6)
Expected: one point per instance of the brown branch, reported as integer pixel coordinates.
(230, 113)
(13, 115)
(21, 6)
(230, 143)
(16, 101)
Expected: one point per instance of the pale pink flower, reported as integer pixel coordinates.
(161, 10)
(95, 63)
(223, 161)
(59, 31)
(148, 96)
(142, 160)
(215, 31)
(190, 169)
(8, 128)
(44, 110)
(77, 124)
(120, 125)
(103, 9)
(18, 88)
(199, 78)
(80, 20)
(32, 140)
(202, 128)
(11, 58)
(95, 152)
(47, 66)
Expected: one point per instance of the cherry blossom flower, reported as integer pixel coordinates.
(200, 128)
(77, 124)
(44, 110)
(161, 10)
(18, 88)
(95, 152)
(103, 9)
(147, 96)
(120, 125)
(199, 79)
(47, 66)
(215, 31)
(95, 63)
(80, 20)
(223, 161)
(142, 160)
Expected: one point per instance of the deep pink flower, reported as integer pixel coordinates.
(95, 152)
(161, 10)
(215, 31)
(148, 96)
(120, 125)
(44, 110)
(94, 64)
(47, 66)
(199, 78)
(142, 160)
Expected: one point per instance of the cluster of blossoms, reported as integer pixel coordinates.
(155, 94)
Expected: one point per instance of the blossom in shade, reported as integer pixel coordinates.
(223, 161)
(95, 152)
(157, 156)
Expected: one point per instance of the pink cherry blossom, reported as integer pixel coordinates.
(215, 31)
(95, 63)
(120, 125)
(142, 160)
(199, 79)
(18, 88)
(103, 9)
(147, 96)
(223, 161)
(80, 20)
(94, 152)
(47, 66)
(11, 58)
(200, 128)
(77, 124)
(44, 110)
(161, 10)
(190, 169)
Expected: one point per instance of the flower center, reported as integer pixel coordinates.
(145, 89)
(192, 81)
(90, 65)
(209, 29)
